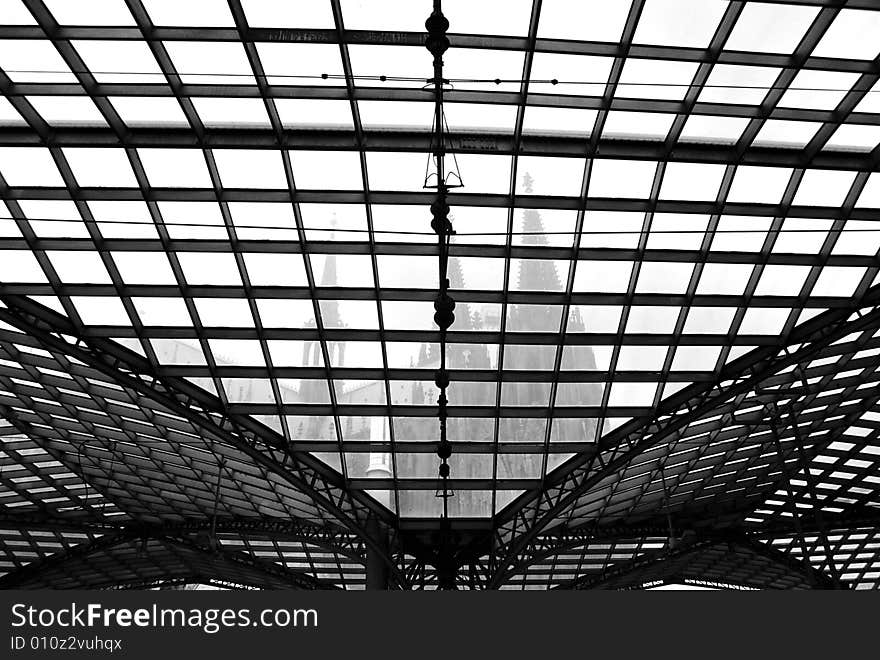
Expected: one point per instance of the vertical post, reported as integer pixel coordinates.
(377, 567)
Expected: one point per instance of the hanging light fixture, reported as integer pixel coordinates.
(444, 306)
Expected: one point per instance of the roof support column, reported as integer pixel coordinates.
(377, 568)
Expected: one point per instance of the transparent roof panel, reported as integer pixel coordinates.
(175, 168)
(580, 75)
(29, 166)
(689, 23)
(119, 61)
(307, 113)
(759, 184)
(738, 84)
(507, 17)
(637, 124)
(214, 13)
(301, 63)
(211, 62)
(217, 196)
(855, 137)
(655, 79)
(851, 36)
(231, 112)
(142, 111)
(786, 133)
(67, 110)
(549, 120)
(770, 27)
(589, 22)
(305, 15)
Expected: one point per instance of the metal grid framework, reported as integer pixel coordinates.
(217, 273)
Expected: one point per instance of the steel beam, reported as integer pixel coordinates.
(353, 509)
(525, 517)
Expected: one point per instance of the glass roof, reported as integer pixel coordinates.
(652, 191)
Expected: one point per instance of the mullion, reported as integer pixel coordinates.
(174, 80)
(508, 246)
(359, 137)
(626, 44)
(675, 340)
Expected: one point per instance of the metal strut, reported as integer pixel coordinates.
(437, 43)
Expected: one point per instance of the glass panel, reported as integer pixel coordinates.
(144, 268)
(688, 23)
(664, 277)
(29, 166)
(652, 319)
(634, 125)
(709, 320)
(549, 121)
(818, 89)
(250, 168)
(33, 60)
(603, 319)
(759, 184)
(770, 28)
(855, 137)
(782, 280)
(492, 17)
(302, 64)
(119, 61)
(543, 175)
(538, 275)
(100, 310)
(696, 358)
(209, 268)
(838, 281)
(94, 167)
(83, 267)
(412, 315)
(211, 62)
(602, 276)
(641, 358)
(632, 394)
(708, 128)
(175, 168)
(851, 36)
(724, 279)
(533, 318)
(243, 352)
(206, 12)
(224, 312)
(784, 133)
(303, 15)
(360, 314)
(162, 311)
(802, 236)
(286, 313)
(655, 79)
(149, 110)
(823, 188)
(592, 23)
(677, 231)
(308, 113)
(65, 110)
(581, 75)
(622, 178)
(320, 170)
(231, 112)
(763, 321)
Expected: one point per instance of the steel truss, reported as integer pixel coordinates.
(811, 381)
(350, 508)
(534, 512)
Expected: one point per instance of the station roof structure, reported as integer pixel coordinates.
(217, 275)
